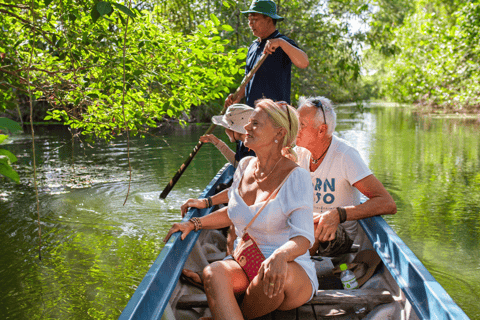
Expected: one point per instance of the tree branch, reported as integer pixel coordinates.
(19, 6)
(28, 24)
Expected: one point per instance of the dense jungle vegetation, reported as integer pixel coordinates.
(104, 67)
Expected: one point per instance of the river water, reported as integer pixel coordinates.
(95, 249)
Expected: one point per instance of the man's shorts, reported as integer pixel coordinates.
(341, 244)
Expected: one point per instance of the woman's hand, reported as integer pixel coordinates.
(209, 138)
(192, 203)
(184, 227)
(273, 273)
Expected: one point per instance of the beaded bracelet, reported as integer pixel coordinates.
(196, 223)
(342, 214)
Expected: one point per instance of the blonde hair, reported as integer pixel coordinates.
(282, 116)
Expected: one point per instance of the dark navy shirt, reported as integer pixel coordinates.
(273, 79)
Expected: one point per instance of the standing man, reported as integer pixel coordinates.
(273, 79)
(339, 176)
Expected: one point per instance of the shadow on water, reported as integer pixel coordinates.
(95, 250)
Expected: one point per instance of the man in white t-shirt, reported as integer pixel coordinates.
(339, 175)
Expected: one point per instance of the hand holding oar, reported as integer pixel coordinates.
(184, 166)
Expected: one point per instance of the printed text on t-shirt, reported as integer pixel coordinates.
(328, 187)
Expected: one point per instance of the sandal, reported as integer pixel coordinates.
(190, 280)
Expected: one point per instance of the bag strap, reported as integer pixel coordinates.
(266, 201)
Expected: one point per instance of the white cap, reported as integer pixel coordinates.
(235, 118)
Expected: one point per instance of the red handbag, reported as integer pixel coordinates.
(247, 254)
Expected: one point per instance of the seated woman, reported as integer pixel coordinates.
(283, 230)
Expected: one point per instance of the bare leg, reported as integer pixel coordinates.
(297, 291)
(222, 280)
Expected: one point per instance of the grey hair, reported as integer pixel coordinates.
(330, 115)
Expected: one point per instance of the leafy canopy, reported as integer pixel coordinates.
(80, 69)
(432, 53)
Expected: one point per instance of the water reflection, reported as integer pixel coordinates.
(431, 166)
(95, 250)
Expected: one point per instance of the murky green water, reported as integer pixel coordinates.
(95, 250)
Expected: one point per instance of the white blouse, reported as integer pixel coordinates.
(288, 215)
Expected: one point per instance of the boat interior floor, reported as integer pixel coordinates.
(378, 298)
(336, 304)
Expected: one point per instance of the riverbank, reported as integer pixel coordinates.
(203, 114)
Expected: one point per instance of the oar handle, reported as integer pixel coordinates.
(247, 78)
(184, 166)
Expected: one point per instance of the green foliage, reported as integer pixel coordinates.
(6, 170)
(327, 37)
(6, 157)
(79, 69)
(9, 125)
(322, 30)
(437, 59)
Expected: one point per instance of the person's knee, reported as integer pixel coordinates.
(215, 271)
(210, 271)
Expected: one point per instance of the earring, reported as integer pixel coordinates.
(276, 141)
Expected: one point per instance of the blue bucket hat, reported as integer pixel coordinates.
(266, 7)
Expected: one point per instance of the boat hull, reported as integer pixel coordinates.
(417, 294)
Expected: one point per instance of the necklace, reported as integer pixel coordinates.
(264, 178)
(315, 161)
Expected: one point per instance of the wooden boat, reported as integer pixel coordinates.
(401, 288)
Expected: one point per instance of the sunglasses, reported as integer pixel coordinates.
(318, 104)
(283, 103)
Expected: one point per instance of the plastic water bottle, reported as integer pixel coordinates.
(348, 278)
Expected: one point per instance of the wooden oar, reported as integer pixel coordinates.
(184, 166)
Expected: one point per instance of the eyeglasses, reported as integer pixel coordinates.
(318, 104)
(283, 103)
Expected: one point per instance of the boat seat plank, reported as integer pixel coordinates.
(355, 296)
(188, 301)
(323, 297)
